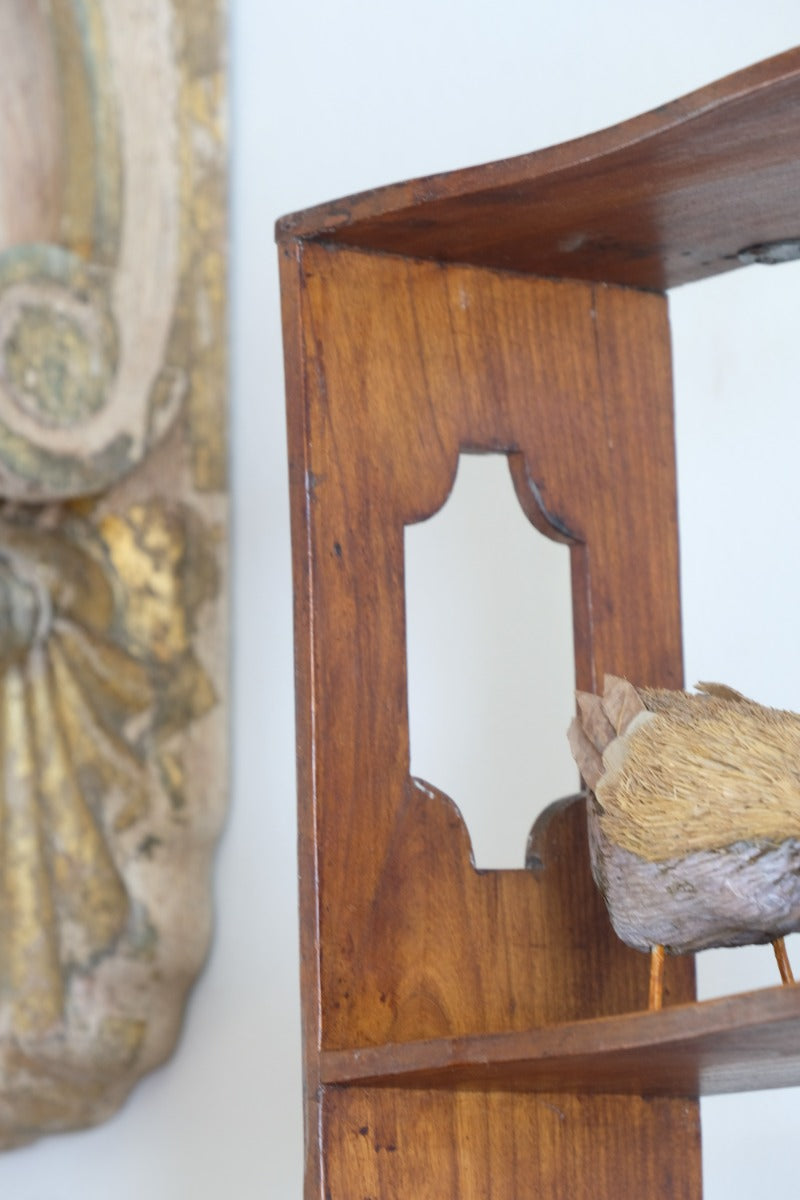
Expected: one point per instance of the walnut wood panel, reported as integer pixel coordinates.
(666, 198)
(471, 1146)
(394, 367)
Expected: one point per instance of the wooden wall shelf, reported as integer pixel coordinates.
(665, 199)
(473, 1033)
(734, 1044)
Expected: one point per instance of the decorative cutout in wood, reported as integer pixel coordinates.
(490, 659)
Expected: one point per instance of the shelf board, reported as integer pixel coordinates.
(664, 199)
(738, 1043)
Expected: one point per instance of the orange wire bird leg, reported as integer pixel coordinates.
(784, 966)
(656, 978)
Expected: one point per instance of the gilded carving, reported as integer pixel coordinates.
(112, 540)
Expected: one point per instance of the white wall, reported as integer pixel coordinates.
(329, 98)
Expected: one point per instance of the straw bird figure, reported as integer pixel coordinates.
(694, 817)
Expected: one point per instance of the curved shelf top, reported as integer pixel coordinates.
(664, 199)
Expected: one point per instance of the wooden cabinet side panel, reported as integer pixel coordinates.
(395, 367)
(307, 840)
(406, 363)
(393, 1145)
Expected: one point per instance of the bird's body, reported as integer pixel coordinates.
(694, 815)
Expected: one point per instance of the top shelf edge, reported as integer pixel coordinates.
(666, 198)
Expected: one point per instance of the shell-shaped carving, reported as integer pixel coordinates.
(93, 620)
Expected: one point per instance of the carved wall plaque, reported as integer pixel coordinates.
(112, 540)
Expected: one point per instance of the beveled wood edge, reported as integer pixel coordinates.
(325, 219)
(451, 1062)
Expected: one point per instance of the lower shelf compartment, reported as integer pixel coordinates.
(737, 1043)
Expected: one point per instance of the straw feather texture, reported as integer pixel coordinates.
(695, 814)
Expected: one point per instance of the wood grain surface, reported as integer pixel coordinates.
(731, 1044)
(387, 1144)
(394, 367)
(666, 198)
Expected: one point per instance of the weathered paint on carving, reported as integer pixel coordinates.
(106, 332)
(112, 546)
